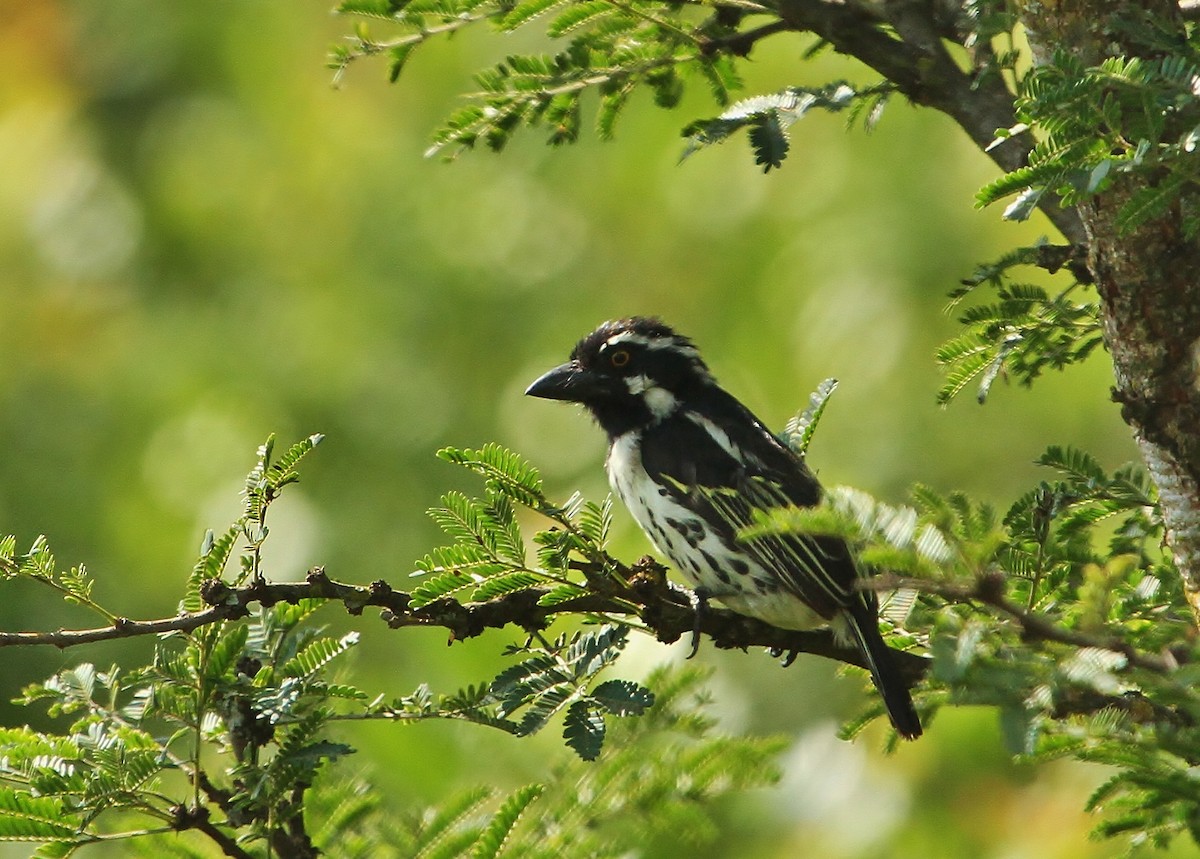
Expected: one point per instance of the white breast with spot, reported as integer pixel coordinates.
(699, 553)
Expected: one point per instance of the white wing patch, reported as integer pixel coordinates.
(718, 435)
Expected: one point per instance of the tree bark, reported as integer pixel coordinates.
(1149, 285)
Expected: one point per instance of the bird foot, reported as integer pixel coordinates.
(788, 656)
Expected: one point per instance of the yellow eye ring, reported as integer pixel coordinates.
(619, 358)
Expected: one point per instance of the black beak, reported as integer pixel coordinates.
(567, 382)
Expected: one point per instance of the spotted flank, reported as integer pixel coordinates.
(710, 559)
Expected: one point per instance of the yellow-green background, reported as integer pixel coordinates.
(203, 242)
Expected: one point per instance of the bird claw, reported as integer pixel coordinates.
(699, 600)
(788, 656)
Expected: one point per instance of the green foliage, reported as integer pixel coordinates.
(256, 691)
(767, 117)
(1079, 568)
(38, 565)
(497, 831)
(1054, 614)
(1125, 116)
(552, 677)
(657, 774)
(556, 676)
(612, 49)
(229, 729)
(1056, 541)
(898, 539)
(609, 48)
(1079, 549)
(1024, 332)
(488, 560)
(1085, 541)
(1081, 594)
(489, 555)
(262, 486)
(800, 428)
(488, 542)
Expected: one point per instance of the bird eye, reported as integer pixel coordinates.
(619, 358)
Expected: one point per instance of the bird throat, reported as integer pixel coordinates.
(660, 402)
(648, 404)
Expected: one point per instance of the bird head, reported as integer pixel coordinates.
(630, 374)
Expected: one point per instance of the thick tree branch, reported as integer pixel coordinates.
(917, 61)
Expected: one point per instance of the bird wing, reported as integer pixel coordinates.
(723, 464)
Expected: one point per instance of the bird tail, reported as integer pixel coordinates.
(884, 673)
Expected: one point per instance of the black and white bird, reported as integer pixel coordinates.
(692, 464)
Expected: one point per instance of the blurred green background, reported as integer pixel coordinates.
(203, 242)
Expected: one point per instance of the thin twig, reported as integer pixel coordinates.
(122, 628)
(739, 44)
(988, 589)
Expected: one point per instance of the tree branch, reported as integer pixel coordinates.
(664, 609)
(916, 60)
(289, 838)
(198, 819)
(740, 44)
(640, 593)
(123, 628)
